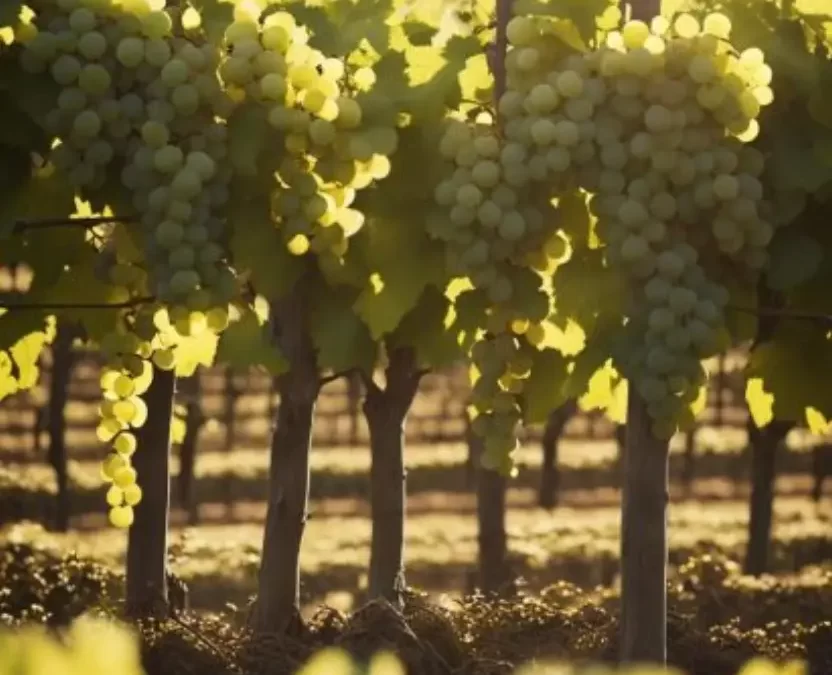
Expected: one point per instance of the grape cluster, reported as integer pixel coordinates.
(677, 194)
(139, 117)
(653, 125)
(125, 377)
(498, 223)
(336, 139)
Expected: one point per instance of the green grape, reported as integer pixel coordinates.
(94, 79)
(72, 100)
(202, 165)
(187, 184)
(164, 359)
(185, 99)
(726, 187)
(115, 496)
(82, 20)
(174, 73)
(157, 53)
(512, 227)
(132, 494)
(521, 31)
(113, 463)
(92, 46)
(121, 517)
(169, 234)
(168, 159)
(155, 134)
(125, 444)
(156, 25)
(183, 282)
(123, 386)
(65, 70)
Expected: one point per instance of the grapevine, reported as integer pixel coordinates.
(143, 117)
(652, 126)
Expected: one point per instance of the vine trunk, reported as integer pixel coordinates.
(147, 547)
(386, 412)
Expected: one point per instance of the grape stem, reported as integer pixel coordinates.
(21, 226)
(497, 60)
(55, 306)
(817, 317)
(336, 376)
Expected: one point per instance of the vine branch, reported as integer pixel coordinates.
(21, 226)
(499, 49)
(336, 376)
(772, 312)
(55, 306)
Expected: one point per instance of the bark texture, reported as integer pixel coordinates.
(386, 412)
(764, 444)
(549, 493)
(493, 573)
(147, 548)
(191, 391)
(61, 372)
(644, 553)
(229, 420)
(278, 597)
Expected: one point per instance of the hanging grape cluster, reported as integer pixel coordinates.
(652, 125)
(336, 136)
(498, 222)
(142, 117)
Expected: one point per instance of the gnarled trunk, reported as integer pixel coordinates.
(548, 494)
(763, 444)
(147, 547)
(60, 375)
(386, 411)
(493, 569)
(278, 595)
(187, 451)
(644, 552)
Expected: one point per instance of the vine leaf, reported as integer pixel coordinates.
(247, 343)
(760, 402)
(544, 390)
(429, 329)
(794, 260)
(342, 339)
(260, 252)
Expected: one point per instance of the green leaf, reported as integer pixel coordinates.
(574, 218)
(795, 258)
(795, 367)
(341, 338)
(259, 251)
(418, 33)
(403, 262)
(247, 343)
(760, 402)
(9, 11)
(19, 368)
(216, 16)
(428, 328)
(471, 307)
(195, 351)
(545, 389)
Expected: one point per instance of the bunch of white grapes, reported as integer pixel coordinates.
(139, 99)
(653, 125)
(127, 375)
(331, 147)
(496, 217)
(139, 117)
